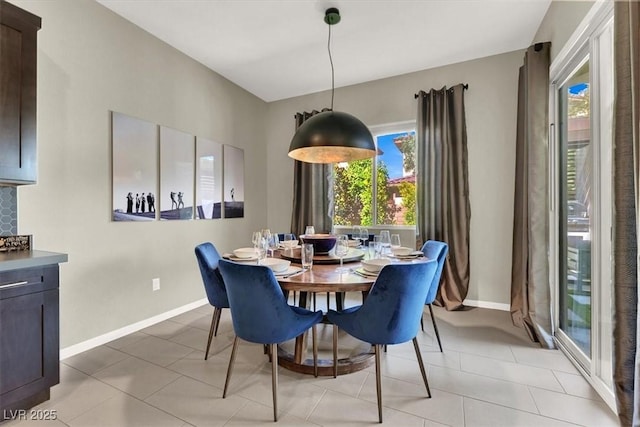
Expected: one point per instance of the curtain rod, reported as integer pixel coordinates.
(464, 86)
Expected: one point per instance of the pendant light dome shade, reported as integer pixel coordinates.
(332, 137)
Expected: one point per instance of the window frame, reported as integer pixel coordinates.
(377, 131)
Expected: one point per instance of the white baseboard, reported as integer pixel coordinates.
(488, 304)
(129, 329)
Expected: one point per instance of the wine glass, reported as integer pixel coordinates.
(355, 234)
(395, 241)
(309, 230)
(255, 239)
(364, 235)
(342, 249)
(273, 242)
(288, 238)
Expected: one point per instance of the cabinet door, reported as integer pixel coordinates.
(18, 30)
(29, 341)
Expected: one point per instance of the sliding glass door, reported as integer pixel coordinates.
(580, 153)
(575, 204)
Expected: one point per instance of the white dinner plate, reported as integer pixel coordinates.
(412, 255)
(232, 257)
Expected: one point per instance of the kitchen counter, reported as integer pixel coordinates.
(29, 328)
(26, 259)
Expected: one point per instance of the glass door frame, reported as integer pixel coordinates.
(589, 43)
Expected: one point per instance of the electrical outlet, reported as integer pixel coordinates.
(156, 284)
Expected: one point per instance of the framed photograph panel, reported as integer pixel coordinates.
(135, 168)
(233, 182)
(177, 150)
(208, 179)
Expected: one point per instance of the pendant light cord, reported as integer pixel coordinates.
(332, 71)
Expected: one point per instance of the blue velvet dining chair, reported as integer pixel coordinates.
(389, 315)
(260, 314)
(208, 258)
(433, 249)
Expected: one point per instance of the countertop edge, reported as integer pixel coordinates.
(26, 259)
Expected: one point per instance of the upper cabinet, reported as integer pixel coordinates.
(18, 54)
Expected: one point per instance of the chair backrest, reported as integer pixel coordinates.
(434, 249)
(392, 311)
(281, 236)
(259, 310)
(208, 258)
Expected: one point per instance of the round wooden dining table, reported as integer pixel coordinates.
(323, 278)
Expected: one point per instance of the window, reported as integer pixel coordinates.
(379, 191)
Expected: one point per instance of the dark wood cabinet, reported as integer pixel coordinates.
(29, 336)
(18, 63)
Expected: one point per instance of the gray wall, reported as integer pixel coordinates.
(91, 62)
(559, 23)
(491, 127)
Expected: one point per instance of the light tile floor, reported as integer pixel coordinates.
(489, 374)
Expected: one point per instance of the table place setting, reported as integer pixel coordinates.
(409, 256)
(242, 255)
(360, 271)
(289, 272)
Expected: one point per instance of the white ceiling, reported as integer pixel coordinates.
(277, 49)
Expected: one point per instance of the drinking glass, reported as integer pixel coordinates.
(342, 249)
(309, 230)
(372, 250)
(377, 247)
(395, 241)
(356, 233)
(255, 239)
(306, 255)
(263, 247)
(288, 238)
(273, 242)
(364, 235)
(385, 242)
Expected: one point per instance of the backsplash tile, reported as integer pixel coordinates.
(8, 211)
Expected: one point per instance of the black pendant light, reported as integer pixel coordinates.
(332, 136)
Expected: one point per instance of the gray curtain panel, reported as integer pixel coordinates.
(443, 209)
(312, 191)
(626, 370)
(530, 288)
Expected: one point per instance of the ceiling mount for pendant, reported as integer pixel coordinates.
(332, 16)
(332, 136)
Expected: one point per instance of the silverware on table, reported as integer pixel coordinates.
(286, 276)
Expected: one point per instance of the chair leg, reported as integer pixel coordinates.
(274, 379)
(422, 322)
(435, 327)
(378, 348)
(339, 301)
(232, 359)
(219, 315)
(335, 351)
(211, 331)
(315, 350)
(422, 371)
